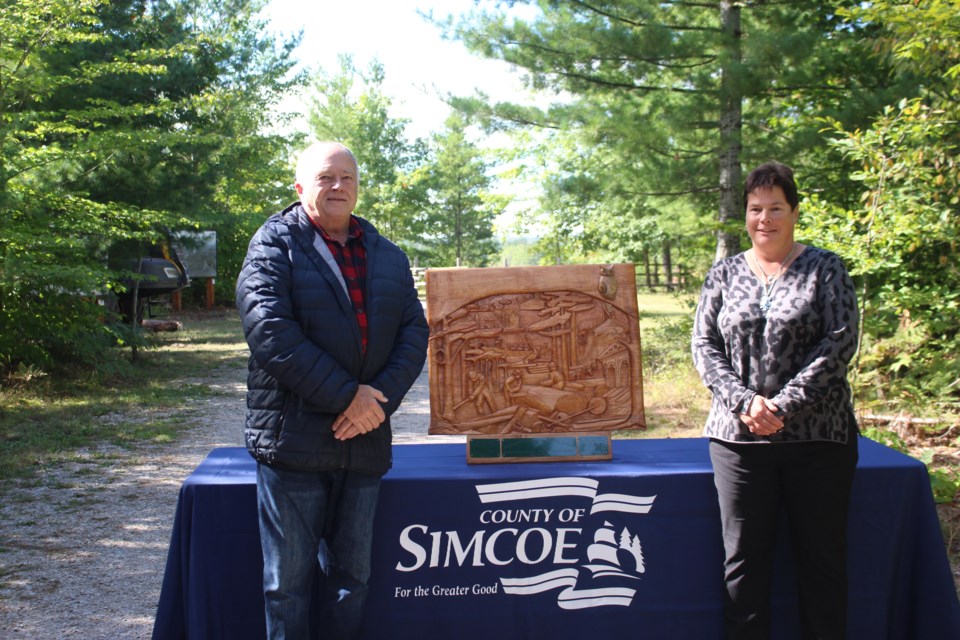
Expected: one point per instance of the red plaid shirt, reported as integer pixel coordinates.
(352, 260)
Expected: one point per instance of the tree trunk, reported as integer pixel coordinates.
(459, 234)
(731, 123)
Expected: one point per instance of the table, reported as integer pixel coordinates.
(628, 548)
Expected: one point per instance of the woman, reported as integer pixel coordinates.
(775, 329)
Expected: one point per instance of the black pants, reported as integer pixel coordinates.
(812, 482)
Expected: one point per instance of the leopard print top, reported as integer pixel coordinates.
(796, 354)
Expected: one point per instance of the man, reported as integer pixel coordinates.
(479, 392)
(337, 337)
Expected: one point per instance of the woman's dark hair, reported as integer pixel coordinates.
(772, 174)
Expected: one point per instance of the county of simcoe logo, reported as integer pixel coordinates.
(614, 558)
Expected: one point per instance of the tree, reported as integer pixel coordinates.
(908, 216)
(582, 216)
(676, 96)
(48, 265)
(195, 145)
(518, 251)
(459, 220)
(117, 120)
(389, 197)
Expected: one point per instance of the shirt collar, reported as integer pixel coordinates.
(354, 230)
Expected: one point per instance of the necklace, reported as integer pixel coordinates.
(769, 283)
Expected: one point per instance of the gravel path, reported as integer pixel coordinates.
(83, 547)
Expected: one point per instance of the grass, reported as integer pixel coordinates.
(675, 402)
(656, 308)
(48, 419)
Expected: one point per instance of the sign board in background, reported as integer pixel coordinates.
(198, 252)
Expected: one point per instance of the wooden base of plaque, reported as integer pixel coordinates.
(557, 447)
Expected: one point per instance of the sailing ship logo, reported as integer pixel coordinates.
(606, 552)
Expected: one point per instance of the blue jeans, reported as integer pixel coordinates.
(310, 521)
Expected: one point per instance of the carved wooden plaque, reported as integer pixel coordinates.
(527, 350)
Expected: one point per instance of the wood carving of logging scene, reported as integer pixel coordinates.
(521, 350)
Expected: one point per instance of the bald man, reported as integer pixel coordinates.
(337, 337)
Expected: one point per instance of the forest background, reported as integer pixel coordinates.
(124, 120)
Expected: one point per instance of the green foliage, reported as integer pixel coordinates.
(908, 218)
(660, 103)
(390, 195)
(945, 482)
(666, 323)
(433, 199)
(461, 210)
(119, 120)
(922, 36)
(887, 438)
(518, 251)
(901, 238)
(666, 345)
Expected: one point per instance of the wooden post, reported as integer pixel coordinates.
(209, 296)
(176, 302)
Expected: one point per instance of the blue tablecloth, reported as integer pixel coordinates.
(628, 548)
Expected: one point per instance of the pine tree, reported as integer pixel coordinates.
(671, 99)
(462, 207)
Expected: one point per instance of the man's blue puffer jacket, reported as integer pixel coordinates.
(306, 361)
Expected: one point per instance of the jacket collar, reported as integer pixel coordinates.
(296, 215)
